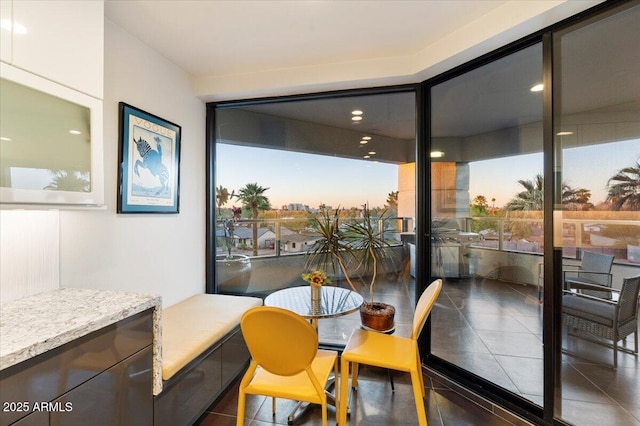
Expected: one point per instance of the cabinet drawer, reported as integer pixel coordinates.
(51, 374)
(121, 396)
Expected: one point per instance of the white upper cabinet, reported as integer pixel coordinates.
(60, 40)
(6, 32)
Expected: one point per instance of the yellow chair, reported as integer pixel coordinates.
(391, 352)
(285, 360)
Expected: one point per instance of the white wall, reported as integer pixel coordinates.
(146, 253)
(29, 252)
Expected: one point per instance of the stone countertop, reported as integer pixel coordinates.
(39, 323)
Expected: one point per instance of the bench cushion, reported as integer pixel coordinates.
(191, 326)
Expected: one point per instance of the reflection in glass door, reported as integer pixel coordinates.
(597, 137)
(487, 221)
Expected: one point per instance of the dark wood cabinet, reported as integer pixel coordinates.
(104, 378)
(121, 395)
(38, 418)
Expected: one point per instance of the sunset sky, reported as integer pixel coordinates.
(313, 179)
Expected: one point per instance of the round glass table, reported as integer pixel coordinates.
(334, 301)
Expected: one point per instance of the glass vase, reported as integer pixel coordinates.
(315, 299)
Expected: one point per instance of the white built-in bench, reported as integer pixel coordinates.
(203, 352)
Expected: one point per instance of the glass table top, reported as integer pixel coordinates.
(334, 301)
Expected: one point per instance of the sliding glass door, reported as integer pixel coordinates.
(597, 214)
(487, 221)
(535, 199)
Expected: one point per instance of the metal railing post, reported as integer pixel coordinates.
(278, 236)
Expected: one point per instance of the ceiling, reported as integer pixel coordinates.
(246, 39)
(214, 38)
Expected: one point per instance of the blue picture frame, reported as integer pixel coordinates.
(148, 162)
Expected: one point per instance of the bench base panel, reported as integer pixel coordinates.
(193, 389)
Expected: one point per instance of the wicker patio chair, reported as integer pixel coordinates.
(606, 319)
(595, 268)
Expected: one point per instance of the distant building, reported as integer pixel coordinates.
(297, 207)
(295, 243)
(244, 236)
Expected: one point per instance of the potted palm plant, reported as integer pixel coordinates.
(356, 248)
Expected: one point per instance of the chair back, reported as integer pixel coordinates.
(628, 303)
(425, 303)
(280, 341)
(596, 262)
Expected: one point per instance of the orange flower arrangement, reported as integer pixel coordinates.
(316, 278)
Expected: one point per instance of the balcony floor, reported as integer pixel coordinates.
(491, 328)
(494, 329)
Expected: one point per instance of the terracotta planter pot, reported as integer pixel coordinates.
(377, 316)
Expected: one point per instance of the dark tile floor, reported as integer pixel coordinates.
(373, 404)
(491, 328)
(494, 329)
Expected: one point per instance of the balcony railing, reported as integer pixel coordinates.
(290, 236)
(620, 238)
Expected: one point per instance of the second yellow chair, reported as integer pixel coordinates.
(389, 351)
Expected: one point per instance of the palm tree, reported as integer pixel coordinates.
(624, 189)
(223, 197)
(576, 199)
(481, 201)
(253, 199)
(532, 198)
(64, 181)
(392, 200)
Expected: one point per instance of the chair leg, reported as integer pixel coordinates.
(336, 386)
(418, 395)
(324, 412)
(419, 368)
(241, 405)
(273, 406)
(344, 385)
(354, 375)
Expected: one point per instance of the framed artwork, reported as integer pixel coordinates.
(149, 163)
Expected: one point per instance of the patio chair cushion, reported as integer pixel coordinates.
(592, 310)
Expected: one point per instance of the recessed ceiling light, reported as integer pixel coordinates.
(75, 132)
(537, 88)
(372, 153)
(367, 156)
(437, 154)
(356, 118)
(5, 139)
(366, 138)
(564, 133)
(356, 112)
(363, 142)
